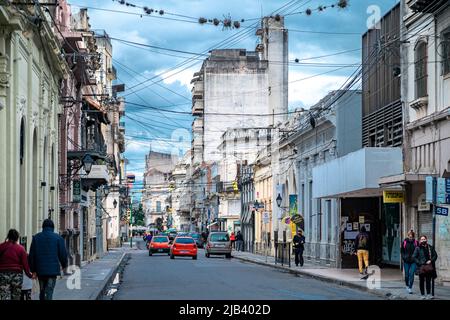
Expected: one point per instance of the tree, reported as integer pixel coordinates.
(139, 216)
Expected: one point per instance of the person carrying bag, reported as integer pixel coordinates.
(425, 257)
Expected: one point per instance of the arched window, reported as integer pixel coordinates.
(421, 72)
(445, 38)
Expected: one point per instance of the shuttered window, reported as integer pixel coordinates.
(421, 72)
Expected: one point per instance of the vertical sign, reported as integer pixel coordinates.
(76, 190)
(429, 189)
(440, 191)
(293, 204)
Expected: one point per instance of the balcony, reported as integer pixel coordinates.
(426, 6)
(98, 176)
(197, 90)
(112, 73)
(197, 125)
(198, 107)
(122, 126)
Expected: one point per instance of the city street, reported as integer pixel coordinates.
(160, 278)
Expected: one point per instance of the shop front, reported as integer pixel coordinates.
(353, 181)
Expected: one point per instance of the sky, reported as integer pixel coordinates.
(148, 128)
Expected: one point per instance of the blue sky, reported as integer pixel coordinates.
(167, 132)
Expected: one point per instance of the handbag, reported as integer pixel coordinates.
(427, 268)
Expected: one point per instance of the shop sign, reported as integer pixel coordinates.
(423, 205)
(429, 189)
(265, 217)
(393, 197)
(440, 192)
(76, 191)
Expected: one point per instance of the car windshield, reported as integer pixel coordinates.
(219, 237)
(195, 235)
(160, 239)
(184, 240)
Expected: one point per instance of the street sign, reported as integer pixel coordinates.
(440, 192)
(429, 189)
(422, 204)
(442, 211)
(447, 185)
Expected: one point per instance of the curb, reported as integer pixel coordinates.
(321, 278)
(109, 278)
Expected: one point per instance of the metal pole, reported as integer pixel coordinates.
(131, 220)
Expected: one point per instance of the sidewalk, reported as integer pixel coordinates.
(95, 276)
(392, 283)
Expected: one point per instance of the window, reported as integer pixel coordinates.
(158, 206)
(160, 239)
(22, 141)
(421, 72)
(328, 203)
(184, 240)
(446, 51)
(319, 220)
(219, 237)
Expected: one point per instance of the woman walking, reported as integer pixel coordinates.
(408, 247)
(13, 262)
(425, 257)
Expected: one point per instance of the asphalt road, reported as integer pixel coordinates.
(160, 278)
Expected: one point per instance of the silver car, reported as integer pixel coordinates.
(218, 243)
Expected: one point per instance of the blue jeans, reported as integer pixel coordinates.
(46, 286)
(410, 269)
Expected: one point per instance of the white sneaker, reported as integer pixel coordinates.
(423, 297)
(410, 291)
(428, 297)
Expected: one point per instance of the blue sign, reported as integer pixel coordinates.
(447, 185)
(447, 199)
(440, 191)
(442, 211)
(429, 189)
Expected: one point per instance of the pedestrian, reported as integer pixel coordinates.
(362, 250)
(425, 257)
(239, 241)
(47, 254)
(13, 263)
(407, 249)
(299, 247)
(233, 240)
(27, 286)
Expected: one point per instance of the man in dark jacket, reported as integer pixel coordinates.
(362, 250)
(299, 247)
(239, 241)
(407, 250)
(47, 254)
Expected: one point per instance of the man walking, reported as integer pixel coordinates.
(299, 247)
(47, 253)
(239, 241)
(362, 247)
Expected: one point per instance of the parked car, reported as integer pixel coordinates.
(159, 244)
(218, 243)
(198, 239)
(183, 246)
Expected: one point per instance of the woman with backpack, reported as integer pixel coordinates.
(425, 257)
(407, 251)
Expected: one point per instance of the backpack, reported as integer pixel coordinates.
(362, 241)
(416, 243)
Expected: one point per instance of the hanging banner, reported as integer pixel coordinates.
(293, 229)
(293, 204)
(393, 196)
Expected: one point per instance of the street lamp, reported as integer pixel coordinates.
(87, 163)
(106, 191)
(279, 200)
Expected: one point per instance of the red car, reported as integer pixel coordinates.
(159, 244)
(184, 246)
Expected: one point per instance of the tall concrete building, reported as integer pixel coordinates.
(236, 88)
